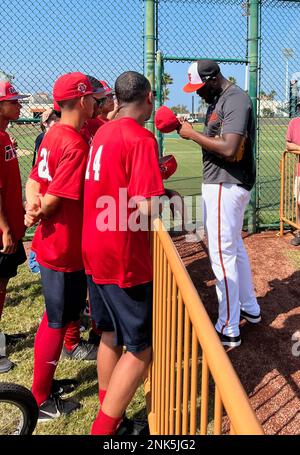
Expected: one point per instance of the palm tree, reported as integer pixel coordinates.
(166, 80)
(232, 79)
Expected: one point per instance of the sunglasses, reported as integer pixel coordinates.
(99, 102)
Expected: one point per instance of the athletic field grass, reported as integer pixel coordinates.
(22, 313)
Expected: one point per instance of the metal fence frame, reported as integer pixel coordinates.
(289, 193)
(177, 390)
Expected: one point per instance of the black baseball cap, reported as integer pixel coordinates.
(207, 69)
(199, 73)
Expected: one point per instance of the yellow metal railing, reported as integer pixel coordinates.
(289, 191)
(188, 358)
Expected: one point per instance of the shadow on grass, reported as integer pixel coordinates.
(86, 374)
(15, 299)
(24, 344)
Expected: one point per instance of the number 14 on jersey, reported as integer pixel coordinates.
(96, 164)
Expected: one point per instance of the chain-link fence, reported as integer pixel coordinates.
(192, 30)
(221, 29)
(279, 65)
(41, 40)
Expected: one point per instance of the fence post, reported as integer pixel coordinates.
(159, 96)
(253, 79)
(150, 38)
(282, 195)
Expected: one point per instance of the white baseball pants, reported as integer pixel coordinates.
(224, 207)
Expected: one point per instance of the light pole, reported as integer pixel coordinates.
(287, 53)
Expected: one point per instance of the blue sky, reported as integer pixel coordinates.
(41, 40)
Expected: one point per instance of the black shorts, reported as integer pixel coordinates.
(9, 262)
(126, 311)
(65, 295)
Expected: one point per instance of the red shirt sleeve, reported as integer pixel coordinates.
(2, 171)
(69, 175)
(144, 174)
(34, 173)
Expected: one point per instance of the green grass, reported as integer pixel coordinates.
(293, 257)
(22, 313)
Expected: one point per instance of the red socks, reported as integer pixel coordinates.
(2, 300)
(101, 395)
(105, 425)
(72, 336)
(47, 349)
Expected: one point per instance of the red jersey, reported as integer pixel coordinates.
(59, 170)
(293, 131)
(11, 188)
(122, 165)
(90, 128)
(103, 121)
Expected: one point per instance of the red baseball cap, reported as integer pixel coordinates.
(167, 166)
(56, 107)
(108, 90)
(72, 85)
(9, 93)
(165, 120)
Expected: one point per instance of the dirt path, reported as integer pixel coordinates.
(265, 363)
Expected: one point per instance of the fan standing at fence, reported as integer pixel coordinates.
(48, 118)
(228, 176)
(123, 156)
(54, 195)
(12, 227)
(293, 143)
(109, 108)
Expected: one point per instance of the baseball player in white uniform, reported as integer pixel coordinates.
(228, 176)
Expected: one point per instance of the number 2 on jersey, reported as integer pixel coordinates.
(43, 168)
(96, 164)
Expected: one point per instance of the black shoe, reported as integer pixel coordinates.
(296, 240)
(250, 317)
(83, 351)
(55, 407)
(232, 342)
(5, 364)
(63, 386)
(133, 427)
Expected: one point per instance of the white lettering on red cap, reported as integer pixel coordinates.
(12, 90)
(82, 87)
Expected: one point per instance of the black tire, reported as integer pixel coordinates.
(16, 396)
